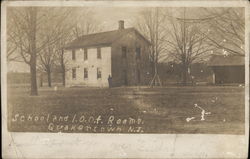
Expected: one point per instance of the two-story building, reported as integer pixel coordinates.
(122, 54)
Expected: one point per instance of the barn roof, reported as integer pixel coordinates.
(219, 60)
(102, 38)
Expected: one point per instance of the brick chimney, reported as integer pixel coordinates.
(121, 24)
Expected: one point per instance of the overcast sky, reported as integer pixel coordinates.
(108, 16)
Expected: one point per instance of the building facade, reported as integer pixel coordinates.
(122, 54)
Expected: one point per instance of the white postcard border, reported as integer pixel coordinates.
(85, 145)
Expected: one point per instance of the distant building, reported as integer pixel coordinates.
(227, 69)
(122, 54)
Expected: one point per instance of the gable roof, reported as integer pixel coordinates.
(102, 38)
(219, 60)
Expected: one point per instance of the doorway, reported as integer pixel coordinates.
(125, 78)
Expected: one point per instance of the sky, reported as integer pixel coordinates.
(108, 16)
(17, 67)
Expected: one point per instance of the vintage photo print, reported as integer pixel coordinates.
(145, 79)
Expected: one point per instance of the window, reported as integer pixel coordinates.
(99, 73)
(73, 73)
(138, 53)
(124, 52)
(85, 54)
(99, 55)
(73, 55)
(85, 73)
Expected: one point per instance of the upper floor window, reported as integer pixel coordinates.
(99, 55)
(73, 73)
(99, 73)
(85, 73)
(85, 57)
(124, 52)
(138, 53)
(73, 55)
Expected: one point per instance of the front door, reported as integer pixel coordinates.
(124, 77)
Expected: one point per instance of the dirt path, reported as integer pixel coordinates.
(137, 96)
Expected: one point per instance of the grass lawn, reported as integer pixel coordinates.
(128, 110)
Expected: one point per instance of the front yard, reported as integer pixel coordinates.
(201, 109)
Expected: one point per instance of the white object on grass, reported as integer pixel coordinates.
(203, 112)
(189, 119)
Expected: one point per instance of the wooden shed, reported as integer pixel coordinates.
(227, 69)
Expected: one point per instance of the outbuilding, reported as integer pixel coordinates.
(227, 69)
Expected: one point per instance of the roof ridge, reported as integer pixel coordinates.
(105, 32)
(131, 29)
(106, 37)
(221, 60)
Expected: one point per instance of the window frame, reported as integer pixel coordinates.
(73, 73)
(138, 53)
(85, 54)
(85, 73)
(99, 53)
(73, 57)
(124, 52)
(98, 73)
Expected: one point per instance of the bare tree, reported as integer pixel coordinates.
(12, 46)
(62, 61)
(83, 23)
(47, 58)
(12, 51)
(56, 20)
(150, 23)
(227, 27)
(34, 32)
(25, 21)
(187, 42)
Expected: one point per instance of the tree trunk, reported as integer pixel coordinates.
(49, 76)
(156, 79)
(63, 77)
(184, 74)
(33, 55)
(63, 68)
(152, 68)
(41, 80)
(155, 73)
(33, 91)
